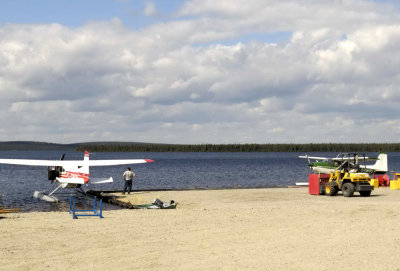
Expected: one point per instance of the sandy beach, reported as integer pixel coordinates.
(242, 229)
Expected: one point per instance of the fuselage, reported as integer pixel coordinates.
(71, 175)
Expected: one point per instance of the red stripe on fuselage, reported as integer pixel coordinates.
(70, 174)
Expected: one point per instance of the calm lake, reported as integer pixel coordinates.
(169, 171)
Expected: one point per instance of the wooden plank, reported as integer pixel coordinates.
(6, 211)
(1, 207)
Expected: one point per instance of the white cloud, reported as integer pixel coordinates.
(150, 9)
(180, 82)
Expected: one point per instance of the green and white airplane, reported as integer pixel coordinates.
(326, 165)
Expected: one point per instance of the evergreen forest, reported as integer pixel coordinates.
(311, 147)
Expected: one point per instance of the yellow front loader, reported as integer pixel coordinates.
(348, 183)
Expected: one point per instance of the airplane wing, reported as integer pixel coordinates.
(314, 157)
(31, 162)
(360, 158)
(64, 163)
(95, 163)
(345, 158)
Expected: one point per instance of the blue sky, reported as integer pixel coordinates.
(130, 12)
(200, 71)
(76, 13)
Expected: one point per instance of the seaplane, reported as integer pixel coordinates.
(71, 173)
(326, 165)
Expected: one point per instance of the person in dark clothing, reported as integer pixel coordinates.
(128, 177)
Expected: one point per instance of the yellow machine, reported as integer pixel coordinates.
(395, 183)
(374, 183)
(348, 183)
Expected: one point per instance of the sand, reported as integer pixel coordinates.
(244, 229)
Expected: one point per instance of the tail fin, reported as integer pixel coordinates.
(381, 165)
(85, 168)
(86, 157)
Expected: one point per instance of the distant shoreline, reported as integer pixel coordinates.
(157, 147)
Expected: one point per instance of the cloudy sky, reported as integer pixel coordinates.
(200, 71)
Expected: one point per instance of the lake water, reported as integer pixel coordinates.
(169, 171)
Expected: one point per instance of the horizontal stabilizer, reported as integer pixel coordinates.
(71, 180)
(100, 180)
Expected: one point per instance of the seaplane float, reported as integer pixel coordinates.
(71, 173)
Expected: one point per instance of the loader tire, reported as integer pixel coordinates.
(365, 193)
(331, 189)
(322, 189)
(348, 189)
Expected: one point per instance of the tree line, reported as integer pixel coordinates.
(310, 147)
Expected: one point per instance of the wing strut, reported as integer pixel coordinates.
(58, 187)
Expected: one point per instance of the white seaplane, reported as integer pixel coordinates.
(71, 173)
(326, 165)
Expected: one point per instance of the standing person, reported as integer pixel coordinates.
(128, 177)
